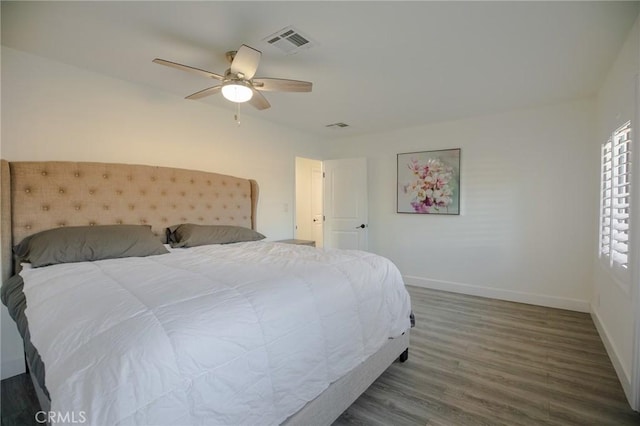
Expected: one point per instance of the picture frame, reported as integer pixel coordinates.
(428, 182)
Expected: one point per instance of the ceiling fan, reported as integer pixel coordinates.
(238, 84)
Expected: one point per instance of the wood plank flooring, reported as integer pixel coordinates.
(473, 361)
(18, 401)
(477, 361)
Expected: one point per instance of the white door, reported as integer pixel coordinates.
(317, 194)
(309, 193)
(345, 202)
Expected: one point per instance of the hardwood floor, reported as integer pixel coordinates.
(19, 402)
(473, 361)
(477, 361)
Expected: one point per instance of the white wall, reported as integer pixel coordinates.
(527, 231)
(612, 302)
(11, 354)
(528, 206)
(51, 111)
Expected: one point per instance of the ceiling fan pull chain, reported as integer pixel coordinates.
(237, 115)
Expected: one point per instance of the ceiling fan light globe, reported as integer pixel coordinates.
(236, 92)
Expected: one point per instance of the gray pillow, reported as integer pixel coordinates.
(190, 235)
(87, 243)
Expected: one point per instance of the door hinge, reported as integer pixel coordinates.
(324, 218)
(323, 174)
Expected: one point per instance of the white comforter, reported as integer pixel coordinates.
(232, 334)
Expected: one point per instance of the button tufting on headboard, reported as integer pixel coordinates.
(44, 195)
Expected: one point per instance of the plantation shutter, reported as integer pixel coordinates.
(615, 197)
(620, 195)
(605, 199)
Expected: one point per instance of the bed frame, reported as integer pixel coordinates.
(35, 196)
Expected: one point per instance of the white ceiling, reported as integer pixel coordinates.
(377, 65)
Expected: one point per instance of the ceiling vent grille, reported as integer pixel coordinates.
(337, 125)
(289, 40)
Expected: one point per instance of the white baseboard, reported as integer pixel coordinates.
(11, 367)
(502, 294)
(623, 375)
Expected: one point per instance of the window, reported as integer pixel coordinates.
(615, 190)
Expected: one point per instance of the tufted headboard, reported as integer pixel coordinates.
(36, 196)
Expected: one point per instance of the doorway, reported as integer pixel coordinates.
(331, 206)
(309, 219)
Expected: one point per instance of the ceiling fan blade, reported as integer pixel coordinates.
(187, 68)
(259, 101)
(281, 85)
(206, 92)
(246, 61)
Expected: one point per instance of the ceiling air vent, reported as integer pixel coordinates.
(290, 40)
(337, 125)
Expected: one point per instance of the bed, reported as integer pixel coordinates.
(188, 356)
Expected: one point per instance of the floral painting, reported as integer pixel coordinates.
(429, 182)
